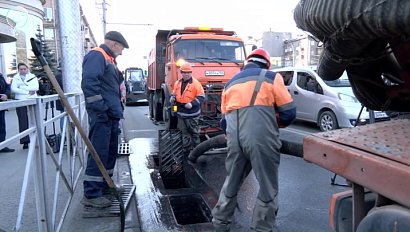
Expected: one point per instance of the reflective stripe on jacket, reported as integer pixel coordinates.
(193, 93)
(104, 53)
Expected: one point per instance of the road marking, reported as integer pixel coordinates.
(151, 130)
(296, 131)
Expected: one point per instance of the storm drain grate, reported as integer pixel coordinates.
(124, 149)
(170, 152)
(114, 209)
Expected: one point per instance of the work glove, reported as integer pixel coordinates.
(222, 123)
(172, 100)
(188, 105)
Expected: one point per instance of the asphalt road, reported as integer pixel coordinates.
(305, 189)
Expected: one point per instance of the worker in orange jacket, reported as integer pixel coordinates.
(255, 104)
(188, 94)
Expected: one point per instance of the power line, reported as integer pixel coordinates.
(132, 24)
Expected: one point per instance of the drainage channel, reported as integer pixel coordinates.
(182, 190)
(170, 194)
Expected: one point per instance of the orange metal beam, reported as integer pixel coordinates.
(381, 170)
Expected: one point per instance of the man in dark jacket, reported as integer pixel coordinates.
(101, 86)
(4, 93)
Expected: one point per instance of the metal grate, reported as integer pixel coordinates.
(124, 149)
(170, 152)
(114, 209)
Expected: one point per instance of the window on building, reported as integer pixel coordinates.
(48, 34)
(48, 13)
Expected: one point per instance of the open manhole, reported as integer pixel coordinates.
(190, 209)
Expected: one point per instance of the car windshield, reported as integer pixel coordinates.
(343, 81)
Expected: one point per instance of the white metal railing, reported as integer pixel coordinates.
(52, 176)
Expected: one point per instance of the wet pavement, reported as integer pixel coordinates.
(172, 205)
(303, 196)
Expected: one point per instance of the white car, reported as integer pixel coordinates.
(330, 104)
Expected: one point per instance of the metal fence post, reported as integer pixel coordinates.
(40, 170)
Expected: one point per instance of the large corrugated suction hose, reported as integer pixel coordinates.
(354, 19)
(360, 36)
(347, 27)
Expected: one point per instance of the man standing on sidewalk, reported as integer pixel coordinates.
(4, 93)
(101, 86)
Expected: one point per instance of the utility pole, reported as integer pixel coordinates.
(72, 48)
(104, 8)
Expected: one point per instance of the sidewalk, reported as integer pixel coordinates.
(12, 167)
(75, 222)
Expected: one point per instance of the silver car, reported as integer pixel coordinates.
(330, 104)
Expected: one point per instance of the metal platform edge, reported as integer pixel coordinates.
(114, 209)
(374, 172)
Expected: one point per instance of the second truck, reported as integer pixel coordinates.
(216, 56)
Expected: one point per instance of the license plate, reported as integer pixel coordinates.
(214, 73)
(380, 115)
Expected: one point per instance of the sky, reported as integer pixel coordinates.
(138, 22)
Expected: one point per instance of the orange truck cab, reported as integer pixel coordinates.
(216, 56)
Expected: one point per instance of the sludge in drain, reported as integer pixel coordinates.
(175, 181)
(190, 209)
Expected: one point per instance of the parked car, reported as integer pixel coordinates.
(330, 104)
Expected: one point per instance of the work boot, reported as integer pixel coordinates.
(120, 189)
(6, 149)
(99, 202)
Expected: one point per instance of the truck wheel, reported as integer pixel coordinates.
(157, 108)
(327, 121)
(150, 105)
(170, 121)
(387, 219)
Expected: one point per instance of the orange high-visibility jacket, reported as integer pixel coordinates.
(238, 93)
(193, 93)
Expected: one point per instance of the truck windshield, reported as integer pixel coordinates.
(209, 50)
(134, 75)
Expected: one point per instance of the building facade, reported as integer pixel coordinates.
(26, 16)
(302, 51)
(21, 19)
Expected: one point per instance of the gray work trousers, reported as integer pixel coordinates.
(249, 148)
(190, 132)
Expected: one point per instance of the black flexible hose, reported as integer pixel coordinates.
(350, 27)
(354, 19)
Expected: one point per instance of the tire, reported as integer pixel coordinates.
(171, 122)
(157, 108)
(150, 105)
(389, 218)
(327, 121)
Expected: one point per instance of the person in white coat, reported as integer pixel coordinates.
(24, 86)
